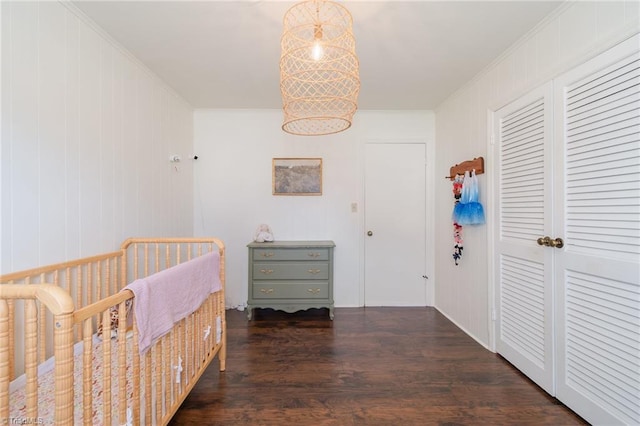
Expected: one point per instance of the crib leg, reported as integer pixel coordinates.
(222, 355)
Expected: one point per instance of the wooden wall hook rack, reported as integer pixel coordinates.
(476, 164)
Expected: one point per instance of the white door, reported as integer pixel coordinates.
(597, 275)
(395, 224)
(523, 268)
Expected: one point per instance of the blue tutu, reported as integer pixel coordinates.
(469, 211)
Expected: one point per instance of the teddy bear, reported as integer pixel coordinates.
(263, 234)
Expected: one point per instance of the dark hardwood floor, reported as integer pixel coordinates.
(372, 366)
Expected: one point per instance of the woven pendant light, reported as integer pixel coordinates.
(319, 77)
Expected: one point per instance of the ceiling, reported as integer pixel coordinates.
(225, 54)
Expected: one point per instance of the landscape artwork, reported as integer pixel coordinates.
(297, 176)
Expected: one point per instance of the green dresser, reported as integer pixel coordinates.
(291, 276)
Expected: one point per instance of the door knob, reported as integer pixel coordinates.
(544, 241)
(557, 243)
(548, 242)
(370, 233)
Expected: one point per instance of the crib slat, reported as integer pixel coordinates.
(42, 335)
(136, 375)
(5, 369)
(122, 362)
(157, 355)
(107, 279)
(188, 354)
(124, 267)
(146, 260)
(200, 325)
(31, 356)
(109, 286)
(174, 357)
(207, 343)
(12, 338)
(106, 368)
(156, 257)
(194, 347)
(67, 280)
(170, 369)
(135, 261)
(147, 387)
(98, 294)
(78, 291)
(198, 342)
(90, 284)
(182, 352)
(87, 355)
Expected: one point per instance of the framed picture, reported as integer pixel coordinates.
(297, 176)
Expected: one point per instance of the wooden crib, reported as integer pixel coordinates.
(70, 323)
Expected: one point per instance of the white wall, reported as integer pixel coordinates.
(574, 33)
(233, 192)
(86, 136)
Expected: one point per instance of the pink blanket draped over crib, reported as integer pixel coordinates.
(164, 298)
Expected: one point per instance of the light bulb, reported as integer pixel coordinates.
(317, 52)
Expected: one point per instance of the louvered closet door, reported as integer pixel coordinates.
(597, 275)
(523, 268)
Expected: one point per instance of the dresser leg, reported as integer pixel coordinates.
(331, 313)
(249, 312)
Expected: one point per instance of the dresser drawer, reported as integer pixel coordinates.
(291, 271)
(262, 254)
(291, 290)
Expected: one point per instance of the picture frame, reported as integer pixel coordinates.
(297, 176)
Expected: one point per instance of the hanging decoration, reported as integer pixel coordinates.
(467, 209)
(457, 228)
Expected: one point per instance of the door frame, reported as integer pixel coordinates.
(429, 209)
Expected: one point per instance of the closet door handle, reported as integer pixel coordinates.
(548, 242)
(544, 241)
(557, 243)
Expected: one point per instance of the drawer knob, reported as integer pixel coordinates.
(313, 271)
(313, 254)
(266, 271)
(313, 290)
(266, 290)
(266, 254)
